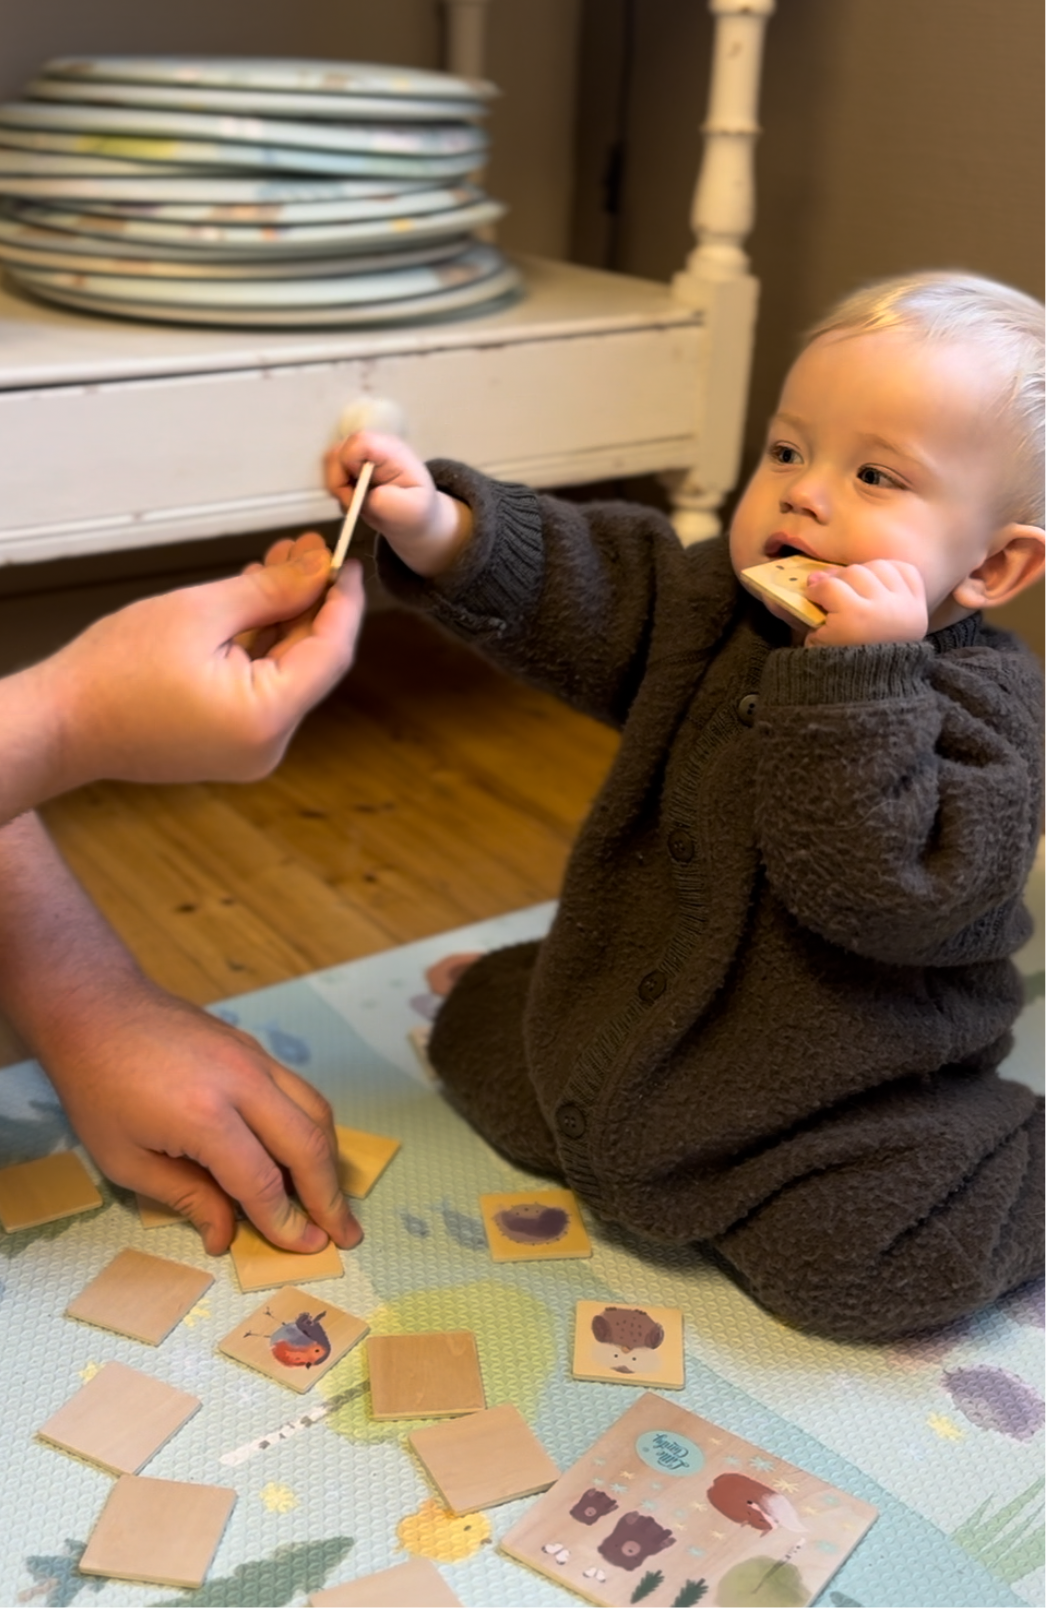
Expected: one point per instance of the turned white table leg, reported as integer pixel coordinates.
(716, 278)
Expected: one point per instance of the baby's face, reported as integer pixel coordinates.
(883, 446)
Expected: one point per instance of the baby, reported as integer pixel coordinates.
(769, 1014)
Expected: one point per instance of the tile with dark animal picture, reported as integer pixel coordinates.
(529, 1225)
(628, 1344)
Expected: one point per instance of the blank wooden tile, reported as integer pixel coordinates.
(417, 1584)
(534, 1225)
(432, 1375)
(295, 1338)
(119, 1419)
(35, 1192)
(261, 1266)
(154, 1214)
(163, 1532)
(484, 1459)
(140, 1296)
(362, 1158)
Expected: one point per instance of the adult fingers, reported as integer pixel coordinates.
(191, 1191)
(247, 1166)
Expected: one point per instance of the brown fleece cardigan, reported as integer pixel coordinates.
(768, 1014)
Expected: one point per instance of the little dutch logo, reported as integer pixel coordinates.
(669, 1453)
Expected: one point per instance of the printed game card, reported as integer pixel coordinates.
(668, 1508)
(629, 1345)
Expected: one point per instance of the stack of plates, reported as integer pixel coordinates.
(255, 192)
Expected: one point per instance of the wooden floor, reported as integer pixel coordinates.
(427, 792)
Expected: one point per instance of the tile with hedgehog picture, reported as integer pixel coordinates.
(668, 1508)
(527, 1225)
(629, 1345)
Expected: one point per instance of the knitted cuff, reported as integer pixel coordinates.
(498, 575)
(851, 675)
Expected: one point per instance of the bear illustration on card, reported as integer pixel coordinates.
(592, 1506)
(634, 1538)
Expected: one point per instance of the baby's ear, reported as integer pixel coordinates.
(1016, 560)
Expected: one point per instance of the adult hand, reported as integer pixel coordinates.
(163, 691)
(178, 1105)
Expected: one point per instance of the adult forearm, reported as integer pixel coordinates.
(32, 762)
(59, 957)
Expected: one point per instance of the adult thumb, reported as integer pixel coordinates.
(272, 593)
(191, 1192)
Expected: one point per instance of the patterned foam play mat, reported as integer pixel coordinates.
(942, 1435)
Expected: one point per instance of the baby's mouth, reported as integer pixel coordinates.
(779, 547)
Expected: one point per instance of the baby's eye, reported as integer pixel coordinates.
(870, 476)
(781, 452)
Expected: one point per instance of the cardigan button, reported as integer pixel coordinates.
(746, 709)
(652, 987)
(680, 845)
(570, 1120)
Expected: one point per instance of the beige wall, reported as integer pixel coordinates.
(898, 134)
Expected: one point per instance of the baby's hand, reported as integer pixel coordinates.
(426, 528)
(881, 601)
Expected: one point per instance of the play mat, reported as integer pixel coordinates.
(943, 1435)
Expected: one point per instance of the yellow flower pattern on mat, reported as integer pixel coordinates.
(199, 1313)
(943, 1426)
(278, 1498)
(435, 1532)
(88, 1371)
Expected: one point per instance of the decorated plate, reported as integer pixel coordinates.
(87, 231)
(333, 210)
(233, 155)
(380, 139)
(319, 77)
(486, 295)
(133, 182)
(33, 166)
(74, 258)
(266, 102)
(394, 284)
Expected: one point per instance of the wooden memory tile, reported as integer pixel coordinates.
(415, 1584)
(154, 1214)
(783, 581)
(44, 1191)
(485, 1458)
(261, 1266)
(362, 1158)
(433, 1375)
(119, 1419)
(140, 1296)
(162, 1532)
(629, 1344)
(530, 1225)
(295, 1338)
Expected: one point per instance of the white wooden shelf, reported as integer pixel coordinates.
(120, 434)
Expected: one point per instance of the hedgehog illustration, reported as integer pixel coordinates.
(747, 1501)
(533, 1223)
(625, 1332)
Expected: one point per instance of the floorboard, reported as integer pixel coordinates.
(428, 791)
